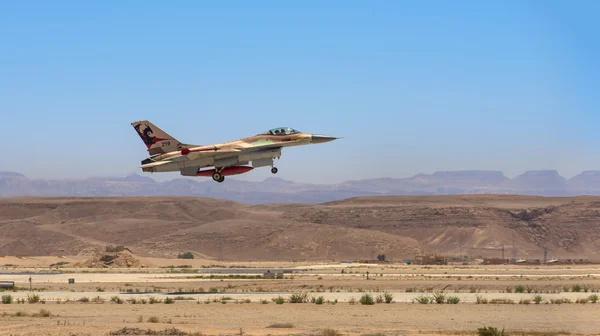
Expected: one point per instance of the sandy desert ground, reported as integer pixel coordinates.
(144, 289)
(234, 300)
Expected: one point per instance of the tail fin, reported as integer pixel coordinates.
(156, 140)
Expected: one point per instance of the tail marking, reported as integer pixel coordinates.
(146, 136)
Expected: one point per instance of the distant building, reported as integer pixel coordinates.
(429, 260)
(372, 261)
(7, 284)
(495, 261)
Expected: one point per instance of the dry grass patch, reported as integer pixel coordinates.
(281, 325)
(329, 332)
(42, 313)
(501, 301)
(540, 333)
(165, 332)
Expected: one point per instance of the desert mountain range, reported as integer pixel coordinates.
(276, 190)
(357, 228)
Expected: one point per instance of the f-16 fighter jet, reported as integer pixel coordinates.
(166, 154)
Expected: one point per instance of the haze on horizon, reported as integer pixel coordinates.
(412, 87)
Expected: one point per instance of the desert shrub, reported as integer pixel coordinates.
(576, 288)
(490, 331)
(154, 300)
(153, 319)
(166, 331)
(279, 300)
(582, 300)
(519, 289)
(502, 301)
(524, 301)
(186, 255)
(169, 300)
(281, 325)
(264, 302)
(33, 298)
(329, 332)
(299, 298)
(453, 300)
(439, 298)
(42, 313)
(367, 299)
(20, 313)
(379, 298)
(593, 298)
(116, 299)
(118, 248)
(320, 300)
(7, 299)
(423, 299)
(388, 297)
(537, 299)
(98, 299)
(352, 301)
(481, 300)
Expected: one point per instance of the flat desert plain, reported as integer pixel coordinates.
(125, 256)
(310, 299)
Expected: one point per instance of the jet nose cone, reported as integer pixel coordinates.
(322, 138)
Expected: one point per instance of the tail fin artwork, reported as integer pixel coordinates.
(156, 140)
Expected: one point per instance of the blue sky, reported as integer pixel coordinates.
(411, 86)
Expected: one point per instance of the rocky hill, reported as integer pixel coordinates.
(355, 228)
(276, 190)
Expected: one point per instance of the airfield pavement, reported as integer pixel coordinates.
(233, 301)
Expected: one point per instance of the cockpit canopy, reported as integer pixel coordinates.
(281, 131)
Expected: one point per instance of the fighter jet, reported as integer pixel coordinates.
(167, 154)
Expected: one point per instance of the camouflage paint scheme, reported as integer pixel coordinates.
(168, 154)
